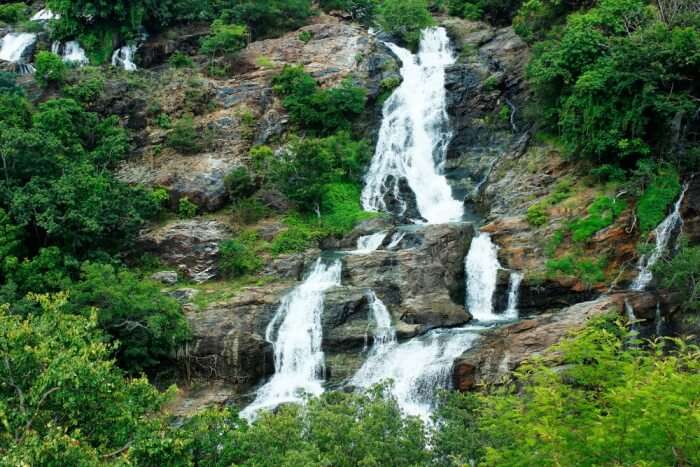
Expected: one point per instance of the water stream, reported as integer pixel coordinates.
(369, 243)
(414, 135)
(295, 333)
(124, 57)
(14, 46)
(70, 52)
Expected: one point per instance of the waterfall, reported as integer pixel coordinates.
(14, 46)
(45, 15)
(663, 233)
(395, 240)
(124, 57)
(370, 243)
(414, 135)
(417, 368)
(295, 333)
(384, 332)
(481, 266)
(516, 279)
(71, 52)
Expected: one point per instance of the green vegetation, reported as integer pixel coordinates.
(681, 274)
(185, 137)
(405, 19)
(180, 60)
(224, 39)
(498, 12)
(239, 256)
(186, 209)
(321, 111)
(50, 69)
(601, 214)
(271, 17)
(661, 187)
(15, 12)
(362, 11)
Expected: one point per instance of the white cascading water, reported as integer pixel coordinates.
(45, 15)
(395, 240)
(663, 233)
(72, 52)
(481, 266)
(369, 243)
(415, 133)
(516, 279)
(14, 46)
(295, 333)
(417, 368)
(124, 57)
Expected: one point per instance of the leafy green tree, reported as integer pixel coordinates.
(50, 69)
(681, 274)
(239, 256)
(224, 39)
(359, 10)
(405, 19)
(271, 17)
(62, 400)
(13, 12)
(146, 325)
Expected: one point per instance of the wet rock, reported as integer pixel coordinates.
(184, 296)
(423, 285)
(228, 338)
(346, 319)
(165, 277)
(291, 266)
(500, 351)
(191, 246)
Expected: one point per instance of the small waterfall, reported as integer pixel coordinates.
(414, 135)
(14, 46)
(124, 57)
(418, 368)
(45, 15)
(481, 266)
(395, 240)
(663, 232)
(516, 279)
(384, 332)
(295, 333)
(658, 319)
(369, 243)
(71, 52)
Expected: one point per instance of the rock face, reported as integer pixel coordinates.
(233, 113)
(500, 351)
(485, 91)
(690, 211)
(228, 339)
(191, 246)
(422, 281)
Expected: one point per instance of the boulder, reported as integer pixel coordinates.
(192, 246)
(165, 277)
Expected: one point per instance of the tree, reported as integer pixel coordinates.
(224, 39)
(405, 19)
(271, 17)
(50, 69)
(681, 274)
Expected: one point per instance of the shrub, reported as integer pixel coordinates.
(224, 39)
(601, 214)
(661, 191)
(537, 214)
(306, 36)
(180, 60)
(50, 69)
(239, 257)
(86, 90)
(248, 211)
(186, 209)
(360, 10)
(590, 272)
(239, 184)
(271, 17)
(184, 136)
(340, 208)
(681, 275)
(405, 19)
(297, 237)
(13, 12)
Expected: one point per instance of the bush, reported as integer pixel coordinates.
(601, 214)
(405, 19)
(239, 257)
(271, 17)
(661, 191)
(180, 60)
(186, 209)
(537, 214)
(50, 69)
(239, 184)
(681, 275)
(185, 137)
(13, 12)
(248, 211)
(360, 10)
(224, 39)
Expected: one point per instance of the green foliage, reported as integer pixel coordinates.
(306, 36)
(50, 69)
(405, 19)
(362, 11)
(8, 83)
(185, 136)
(86, 90)
(594, 411)
(601, 214)
(498, 12)
(271, 17)
(180, 60)
(239, 256)
(299, 235)
(146, 325)
(617, 82)
(224, 39)
(537, 214)
(63, 400)
(681, 275)
(340, 208)
(239, 184)
(186, 209)
(590, 271)
(662, 188)
(323, 111)
(13, 12)
(248, 211)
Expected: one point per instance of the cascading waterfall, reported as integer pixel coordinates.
(70, 52)
(369, 243)
(516, 279)
(14, 46)
(481, 266)
(295, 333)
(414, 135)
(417, 368)
(663, 233)
(395, 240)
(45, 15)
(124, 57)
